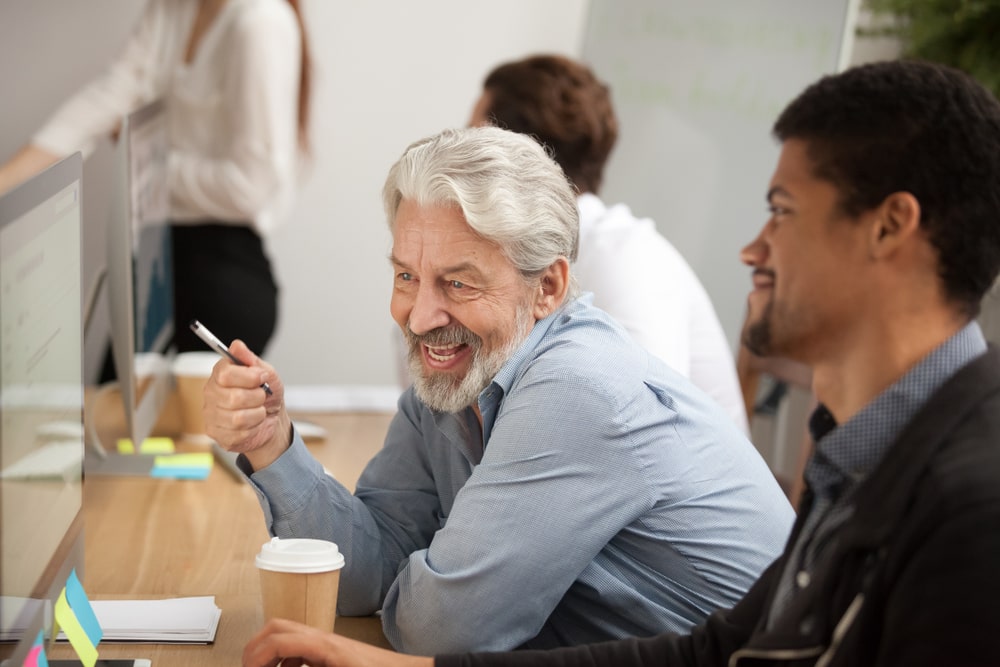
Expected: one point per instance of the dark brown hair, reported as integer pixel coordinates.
(917, 127)
(564, 106)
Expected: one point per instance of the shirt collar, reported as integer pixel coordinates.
(847, 453)
(491, 397)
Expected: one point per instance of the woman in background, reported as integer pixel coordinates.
(234, 75)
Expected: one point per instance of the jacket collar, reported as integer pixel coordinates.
(886, 493)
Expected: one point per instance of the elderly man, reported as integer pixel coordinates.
(884, 235)
(545, 481)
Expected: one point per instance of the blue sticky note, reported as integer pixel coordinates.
(80, 605)
(169, 472)
(65, 618)
(194, 465)
(36, 656)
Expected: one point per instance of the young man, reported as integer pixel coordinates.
(883, 238)
(545, 482)
(635, 274)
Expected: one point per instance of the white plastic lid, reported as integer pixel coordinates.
(299, 555)
(195, 364)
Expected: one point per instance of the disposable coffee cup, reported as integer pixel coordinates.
(299, 580)
(191, 372)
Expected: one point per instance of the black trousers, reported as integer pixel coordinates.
(222, 278)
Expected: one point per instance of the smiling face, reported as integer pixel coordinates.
(810, 266)
(461, 303)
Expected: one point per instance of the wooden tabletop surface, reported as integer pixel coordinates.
(151, 538)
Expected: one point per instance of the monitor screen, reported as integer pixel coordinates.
(41, 401)
(140, 265)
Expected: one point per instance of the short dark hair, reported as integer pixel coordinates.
(917, 127)
(563, 105)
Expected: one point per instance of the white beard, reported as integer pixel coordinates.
(446, 393)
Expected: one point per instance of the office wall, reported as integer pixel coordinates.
(387, 72)
(697, 86)
(44, 57)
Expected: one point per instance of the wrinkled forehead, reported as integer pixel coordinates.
(440, 236)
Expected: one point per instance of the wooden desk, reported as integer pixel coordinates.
(149, 538)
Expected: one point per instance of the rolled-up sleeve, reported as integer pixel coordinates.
(394, 511)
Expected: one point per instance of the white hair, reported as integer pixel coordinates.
(510, 191)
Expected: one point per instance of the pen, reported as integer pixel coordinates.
(213, 342)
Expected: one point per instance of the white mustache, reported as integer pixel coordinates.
(444, 336)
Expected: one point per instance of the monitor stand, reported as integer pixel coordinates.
(118, 464)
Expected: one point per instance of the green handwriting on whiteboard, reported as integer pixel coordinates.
(735, 97)
(718, 58)
(765, 36)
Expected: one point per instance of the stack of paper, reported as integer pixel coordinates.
(191, 620)
(18, 613)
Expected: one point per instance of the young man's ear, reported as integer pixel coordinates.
(897, 221)
(552, 288)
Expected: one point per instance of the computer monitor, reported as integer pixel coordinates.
(140, 269)
(41, 402)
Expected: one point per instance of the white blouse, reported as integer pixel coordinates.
(232, 111)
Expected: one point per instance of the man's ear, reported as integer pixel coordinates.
(552, 288)
(897, 222)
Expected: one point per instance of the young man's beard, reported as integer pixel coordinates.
(757, 335)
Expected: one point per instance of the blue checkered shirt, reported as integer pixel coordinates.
(845, 455)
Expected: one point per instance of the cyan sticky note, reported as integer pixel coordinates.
(76, 617)
(77, 636)
(180, 473)
(148, 446)
(80, 605)
(196, 465)
(36, 656)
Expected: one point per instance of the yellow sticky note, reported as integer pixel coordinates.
(190, 460)
(77, 636)
(148, 446)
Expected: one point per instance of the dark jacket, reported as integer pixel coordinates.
(913, 578)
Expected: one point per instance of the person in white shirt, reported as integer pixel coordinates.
(234, 75)
(636, 275)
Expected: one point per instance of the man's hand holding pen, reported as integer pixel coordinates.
(241, 417)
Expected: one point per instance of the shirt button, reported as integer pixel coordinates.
(802, 579)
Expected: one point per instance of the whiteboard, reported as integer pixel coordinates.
(696, 86)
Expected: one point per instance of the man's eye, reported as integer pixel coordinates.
(456, 284)
(404, 276)
(776, 211)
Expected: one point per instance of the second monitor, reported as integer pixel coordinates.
(140, 270)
